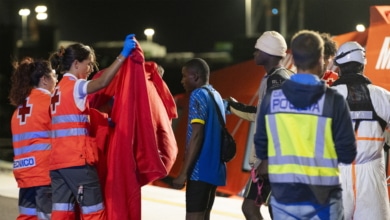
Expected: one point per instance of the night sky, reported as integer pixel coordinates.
(180, 25)
(195, 25)
(186, 25)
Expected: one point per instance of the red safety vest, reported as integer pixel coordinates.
(72, 145)
(30, 125)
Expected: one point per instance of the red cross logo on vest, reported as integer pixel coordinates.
(55, 100)
(24, 111)
(330, 81)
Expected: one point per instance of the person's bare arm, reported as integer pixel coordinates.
(107, 76)
(109, 73)
(192, 153)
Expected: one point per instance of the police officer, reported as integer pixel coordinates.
(303, 131)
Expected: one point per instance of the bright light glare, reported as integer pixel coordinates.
(41, 16)
(149, 32)
(360, 27)
(24, 12)
(275, 11)
(40, 9)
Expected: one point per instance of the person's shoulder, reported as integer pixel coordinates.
(198, 92)
(83, 80)
(332, 91)
(283, 72)
(286, 70)
(335, 94)
(283, 68)
(378, 88)
(202, 89)
(213, 90)
(379, 94)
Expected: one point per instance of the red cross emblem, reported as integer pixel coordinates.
(55, 100)
(329, 81)
(24, 111)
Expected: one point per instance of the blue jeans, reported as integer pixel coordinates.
(333, 210)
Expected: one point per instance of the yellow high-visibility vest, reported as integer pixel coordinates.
(300, 143)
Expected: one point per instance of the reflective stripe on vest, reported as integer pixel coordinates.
(313, 160)
(361, 115)
(29, 137)
(92, 208)
(31, 148)
(27, 211)
(44, 216)
(70, 118)
(63, 207)
(70, 132)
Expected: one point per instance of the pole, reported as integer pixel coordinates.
(301, 15)
(24, 27)
(268, 15)
(248, 18)
(283, 17)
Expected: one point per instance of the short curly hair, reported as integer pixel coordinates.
(330, 46)
(25, 77)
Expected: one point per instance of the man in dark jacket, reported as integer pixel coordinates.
(303, 131)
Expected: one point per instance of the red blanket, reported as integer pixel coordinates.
(142, 146)
(163, 109)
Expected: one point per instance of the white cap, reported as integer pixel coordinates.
(273, 43)
(350, 51)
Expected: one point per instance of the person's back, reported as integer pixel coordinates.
(303, 131)
(369, 105)
(32, 83)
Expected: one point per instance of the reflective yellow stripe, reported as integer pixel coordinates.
(301, 169)
(197, 120)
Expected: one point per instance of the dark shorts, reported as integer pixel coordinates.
(251, 190)
(199, 196)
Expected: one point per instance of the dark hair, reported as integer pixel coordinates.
(330, 47)
(26, 75)
(200, 66)
(351, 68)
(62, 59)
(307, 48)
